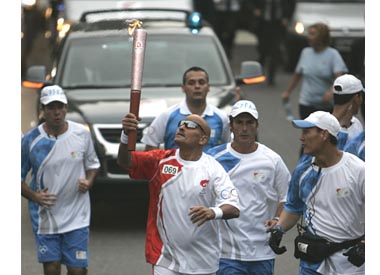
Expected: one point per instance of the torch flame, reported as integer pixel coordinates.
(133, 24)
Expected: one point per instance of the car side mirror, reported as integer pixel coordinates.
(251, 72)
(35, 77)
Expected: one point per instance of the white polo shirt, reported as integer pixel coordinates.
(261, 179)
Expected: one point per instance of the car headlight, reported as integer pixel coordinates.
(28, 2)
(299, 28)
(87, 127)
(63, 27)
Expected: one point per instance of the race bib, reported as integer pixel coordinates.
(169, 170)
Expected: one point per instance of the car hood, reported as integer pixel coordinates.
(108, 106)
(349, 16)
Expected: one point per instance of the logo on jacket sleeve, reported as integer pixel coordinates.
(229, 194)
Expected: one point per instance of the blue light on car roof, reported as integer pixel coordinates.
(194, 20)
(61, 7)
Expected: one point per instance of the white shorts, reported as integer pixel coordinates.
(160, 270)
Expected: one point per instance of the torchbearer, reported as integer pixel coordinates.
(138, 53)
(189, 191)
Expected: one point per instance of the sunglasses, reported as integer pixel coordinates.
(191, 125)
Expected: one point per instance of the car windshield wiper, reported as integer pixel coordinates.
(161, 85)
(94, 86)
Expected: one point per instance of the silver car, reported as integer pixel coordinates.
(94, 69)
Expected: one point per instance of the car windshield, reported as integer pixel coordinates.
(100, 62)
(331, 1)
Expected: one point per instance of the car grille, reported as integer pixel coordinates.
(113, 134)
(343, 44)
(114, 169)
(110, 133)
(108, 136)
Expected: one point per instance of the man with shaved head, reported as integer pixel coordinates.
(189, 190)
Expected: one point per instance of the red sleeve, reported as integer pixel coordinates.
(144, 164)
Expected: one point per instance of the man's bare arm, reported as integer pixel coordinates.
(124, 156)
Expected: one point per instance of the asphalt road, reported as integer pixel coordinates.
(118, 226)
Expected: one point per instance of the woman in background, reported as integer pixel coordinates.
(319, 65)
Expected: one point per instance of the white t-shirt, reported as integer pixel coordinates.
(57, 164)
(335, 206)
(355, 128)
(175, 186)
(261, 179)
(318, 70)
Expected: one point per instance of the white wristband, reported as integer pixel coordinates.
(218, 212)
(123, 138)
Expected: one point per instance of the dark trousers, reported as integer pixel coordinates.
(271, 36)
(225, 27)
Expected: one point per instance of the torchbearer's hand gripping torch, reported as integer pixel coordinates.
(138, 53)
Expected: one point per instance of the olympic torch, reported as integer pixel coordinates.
(138, 53)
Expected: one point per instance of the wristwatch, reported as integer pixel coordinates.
(278, 228)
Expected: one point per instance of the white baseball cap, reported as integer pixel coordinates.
(347, 84)
(52, 93)
(320, 119)
(244, 106)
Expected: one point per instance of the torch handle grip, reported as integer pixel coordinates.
(134, 109)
